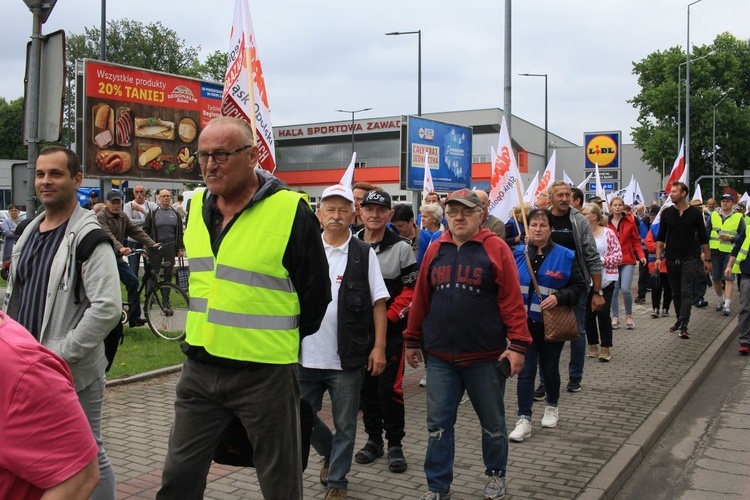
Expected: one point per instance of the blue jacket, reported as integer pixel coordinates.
(557, 275)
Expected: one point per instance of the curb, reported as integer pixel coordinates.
(144, 376)
(610, 479)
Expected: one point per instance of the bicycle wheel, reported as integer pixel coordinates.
(166, 311)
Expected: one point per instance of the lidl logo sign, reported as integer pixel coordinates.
(602, 148)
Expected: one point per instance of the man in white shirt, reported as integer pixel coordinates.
(137, 210)
(351, 338)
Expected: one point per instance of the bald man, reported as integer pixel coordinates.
(490, 222)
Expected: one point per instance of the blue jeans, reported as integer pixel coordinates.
(134, 259)
(625, 283)
(486, 389)
(548, 354)
(92, 399)
(130, 281)
(343, 386)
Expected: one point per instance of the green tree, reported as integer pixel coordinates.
(152, 46)
(215, 67)
(11, 130)
(710, 79)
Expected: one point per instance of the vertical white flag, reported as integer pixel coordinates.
(245, 94)
(548, 177)
(567, 180)
(503, 195)
(638, 194)
(582, 186)
(698, 195)
(348, 177)
(427, 185)
(529, 196)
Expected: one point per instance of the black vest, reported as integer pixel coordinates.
(356, 329)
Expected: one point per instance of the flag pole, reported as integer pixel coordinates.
(249, 62)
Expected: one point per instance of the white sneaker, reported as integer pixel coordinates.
(423, 381)
(550, 416)
(522, 430)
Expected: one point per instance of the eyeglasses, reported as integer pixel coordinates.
(466, 212)
(220, 157)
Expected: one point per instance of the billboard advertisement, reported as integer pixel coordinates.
(602, 148)
(447, 149)
(140, 124)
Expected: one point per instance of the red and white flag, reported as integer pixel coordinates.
(348, 178)
(245, 94)
(548, 177)
(427, 185)
(679, 170)
(503, 195)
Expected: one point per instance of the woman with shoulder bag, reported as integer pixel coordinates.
(561, 283)
(598, 323)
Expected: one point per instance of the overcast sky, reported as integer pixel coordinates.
(332, 54)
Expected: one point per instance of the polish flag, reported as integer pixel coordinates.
(679, 170)
(244, 72)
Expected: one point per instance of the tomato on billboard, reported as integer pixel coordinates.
(140, 124)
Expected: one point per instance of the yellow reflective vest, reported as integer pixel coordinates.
(729, 226)
(243, 305)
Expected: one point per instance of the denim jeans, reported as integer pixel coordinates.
(134, 260)
(486, 389)
(92, 399)
(130, 281)
(548, 354)
(265, 397)
(624, 284)
(343, 387)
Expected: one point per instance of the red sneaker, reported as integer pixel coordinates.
(744, 349)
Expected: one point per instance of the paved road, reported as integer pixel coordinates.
(705, 453)
(603, 430)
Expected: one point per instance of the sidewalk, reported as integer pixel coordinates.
(603, 432)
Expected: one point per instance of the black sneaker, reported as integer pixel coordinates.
(540, 393)
(640, 300)
(700, 303)
(684, 333)
(676, 326)
(574, 384)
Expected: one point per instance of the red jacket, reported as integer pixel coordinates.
(630, 240)
(468, 302)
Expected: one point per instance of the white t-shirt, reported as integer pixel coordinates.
(320, 350)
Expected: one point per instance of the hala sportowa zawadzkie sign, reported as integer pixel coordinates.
(140, 124)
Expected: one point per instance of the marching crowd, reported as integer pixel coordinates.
(287, 304)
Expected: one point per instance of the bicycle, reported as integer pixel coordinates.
(165, 306)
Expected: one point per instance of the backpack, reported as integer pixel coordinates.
(83, 251)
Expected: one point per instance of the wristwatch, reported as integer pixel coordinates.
(600, 293)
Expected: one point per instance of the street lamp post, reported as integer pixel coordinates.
(687, 91)
(419, 64)
(353, 113)
(713, 150)
(546, 115)
(679, 88)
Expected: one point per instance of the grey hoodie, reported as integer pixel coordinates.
(75, 332)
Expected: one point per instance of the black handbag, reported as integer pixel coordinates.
(235, 449)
